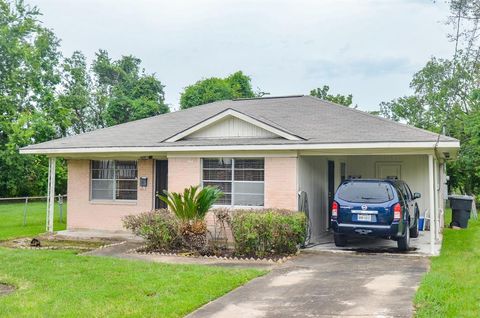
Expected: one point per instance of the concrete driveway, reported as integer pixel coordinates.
(327, 285)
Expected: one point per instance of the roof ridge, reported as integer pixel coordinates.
(267, 97)
(358, 111)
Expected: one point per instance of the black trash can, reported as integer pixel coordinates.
(461, 207)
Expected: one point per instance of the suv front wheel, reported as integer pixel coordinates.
(403, 243)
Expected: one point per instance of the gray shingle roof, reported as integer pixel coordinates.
(314, 120)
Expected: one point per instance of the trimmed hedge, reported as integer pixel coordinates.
(260, 233)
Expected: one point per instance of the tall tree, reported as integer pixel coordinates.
(29, 111)
(323, 93)
(124, 91)
(76, 93)
(236, 85)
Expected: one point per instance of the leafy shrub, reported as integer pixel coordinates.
(267, 232)
(159, 228)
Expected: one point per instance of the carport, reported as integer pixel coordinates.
(320, 173)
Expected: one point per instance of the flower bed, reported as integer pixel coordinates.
(257, 234)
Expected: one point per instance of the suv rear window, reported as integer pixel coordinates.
(365, 192)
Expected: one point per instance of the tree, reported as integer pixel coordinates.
(43, 96)
(322, 93)
(240, 85)
(236, 85)
(29, 110)
(124, 92)
(76, 95)
(447, 96)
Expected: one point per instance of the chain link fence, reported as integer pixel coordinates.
(29, 210)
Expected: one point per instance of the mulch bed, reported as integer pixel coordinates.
(6, 289)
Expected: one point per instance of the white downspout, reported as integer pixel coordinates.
(431, 187)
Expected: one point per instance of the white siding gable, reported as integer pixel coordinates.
(231, 127)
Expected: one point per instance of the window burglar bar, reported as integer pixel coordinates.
(113, 180)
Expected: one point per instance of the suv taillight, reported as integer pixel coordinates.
(334, 210)
(397, 212)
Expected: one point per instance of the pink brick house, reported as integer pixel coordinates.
(261, 152)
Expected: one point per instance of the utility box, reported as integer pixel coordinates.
(461, 207)
(143, 182)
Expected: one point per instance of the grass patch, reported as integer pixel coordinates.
(62, 284)
(11, 219)
(452, 287)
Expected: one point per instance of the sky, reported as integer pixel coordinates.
(368, 48)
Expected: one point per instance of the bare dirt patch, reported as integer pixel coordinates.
(6, 289)
(56, 243)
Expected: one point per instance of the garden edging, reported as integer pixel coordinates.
(137, 251)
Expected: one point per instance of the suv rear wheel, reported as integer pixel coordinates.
(403, 243)
(414, 229)
(340, 239)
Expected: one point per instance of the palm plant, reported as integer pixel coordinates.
(191, 208)
(192, 205)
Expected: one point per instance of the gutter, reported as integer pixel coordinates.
(333, 146)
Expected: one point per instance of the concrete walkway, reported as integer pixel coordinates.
(327, 285)
(317, 283)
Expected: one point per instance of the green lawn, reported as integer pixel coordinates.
(62, 284)
(452, 287)
(11, 219)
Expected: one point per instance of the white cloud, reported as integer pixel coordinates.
(369, 48)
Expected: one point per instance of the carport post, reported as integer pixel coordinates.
(431, 192)
(50, 194)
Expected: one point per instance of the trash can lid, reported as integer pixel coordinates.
(460, 197)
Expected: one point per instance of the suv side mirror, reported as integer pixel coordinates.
(417, 195)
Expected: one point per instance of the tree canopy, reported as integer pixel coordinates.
(236, 85)
(323, 93)
(44, 96)
(128, 92)
(446, 96)
(29, 110)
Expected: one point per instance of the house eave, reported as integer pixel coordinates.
(452, 146)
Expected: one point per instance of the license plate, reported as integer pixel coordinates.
(364, 217)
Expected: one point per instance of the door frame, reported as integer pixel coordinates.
(330, 189)
(160, 182)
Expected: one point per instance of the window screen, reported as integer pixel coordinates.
(114, 180)
(240, 179)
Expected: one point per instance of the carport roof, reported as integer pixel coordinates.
(308, 120)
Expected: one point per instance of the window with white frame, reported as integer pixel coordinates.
(240, 179)
(114, 180)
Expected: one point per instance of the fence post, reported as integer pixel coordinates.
(60, 206)
(25, 212)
